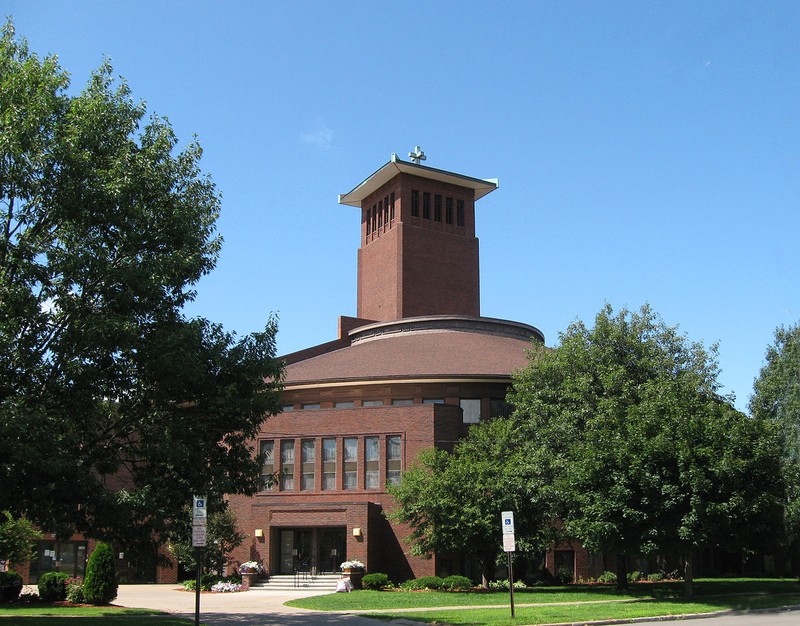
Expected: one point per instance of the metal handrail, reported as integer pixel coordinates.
(302, 570)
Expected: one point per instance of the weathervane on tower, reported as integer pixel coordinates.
(417, 155)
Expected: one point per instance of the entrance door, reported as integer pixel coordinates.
(295, 551)
(332, 548)
(59, 556)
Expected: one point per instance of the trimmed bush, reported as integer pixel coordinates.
(100, 585)
(425, 582)
(376, 581)
(453, 583)
(655, 577)
(53, 586)
(10, 586)
(607, 577)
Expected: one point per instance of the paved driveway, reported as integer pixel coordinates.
(250, 608)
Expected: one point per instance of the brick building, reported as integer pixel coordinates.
(413, 370)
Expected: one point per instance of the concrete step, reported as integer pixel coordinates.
(286, 582)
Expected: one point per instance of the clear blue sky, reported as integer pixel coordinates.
(646, 151)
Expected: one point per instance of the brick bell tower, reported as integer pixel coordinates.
(419, 253)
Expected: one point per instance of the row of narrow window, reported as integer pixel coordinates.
(437, 207)
(360, 467)
(349, 404)
(471, 407)
(382, 212)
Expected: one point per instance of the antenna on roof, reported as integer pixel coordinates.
(417, 155)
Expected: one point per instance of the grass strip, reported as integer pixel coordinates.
(563, 614)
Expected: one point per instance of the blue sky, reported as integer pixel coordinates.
(647, 152)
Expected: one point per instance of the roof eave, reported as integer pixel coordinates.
(397, 166)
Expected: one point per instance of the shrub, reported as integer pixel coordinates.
(563, 577)
(376, 581)
(425, 582)
(607, 577)
(100, 585)
(53, 586)
(10, 586)
(634, 576)
(207, 581)
(456, 582)
(75, 590)
(655, 577)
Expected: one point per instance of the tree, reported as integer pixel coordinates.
(453, 501)
(223, 536)
(18, 540)
(114, 407)
(639, 443)
(100, 584)
(777, 398)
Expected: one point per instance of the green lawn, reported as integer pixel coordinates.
(574, 603)
(57, 615)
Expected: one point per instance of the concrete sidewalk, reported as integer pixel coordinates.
(245, 608)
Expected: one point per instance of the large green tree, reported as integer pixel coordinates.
(453, 500)
(777, 398)
(644, 455)
(114, 407)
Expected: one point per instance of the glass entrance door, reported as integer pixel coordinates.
(59, 556)
(295, 550)
(332, 548)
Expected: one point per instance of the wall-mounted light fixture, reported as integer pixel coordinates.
(259, 532)
(356, 532)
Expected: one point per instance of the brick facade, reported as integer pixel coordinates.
(415, 367)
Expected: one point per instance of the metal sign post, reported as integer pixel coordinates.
(199, 520)
(509, 546)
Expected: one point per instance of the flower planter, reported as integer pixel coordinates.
(355, 575)
(248, 580)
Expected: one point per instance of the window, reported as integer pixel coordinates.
(386, 211)
(350, 463)
(367, 221)
(414, 203)
(267, 464)
(433, 401)
(312, 406)
(308, 453)
(437, 208)
(403, 402)
(460, 213)
(380, 213)
(287, 465)
(391, 206)
(328, 464)
(344, 405)
(374, 218)
(393, 460)
(498, 407)
(472, 411)
(372, 403)
(448, 210)
(372, 474)
(426, 205)
(287, 407)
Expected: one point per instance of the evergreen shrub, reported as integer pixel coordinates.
(376, 581)
(454, 582)
(424, 582)
(53, 586)
(10, 586)
(100, 584)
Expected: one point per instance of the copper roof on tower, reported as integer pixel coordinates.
(396, 166)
